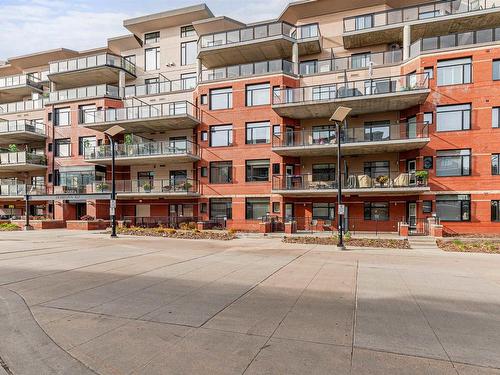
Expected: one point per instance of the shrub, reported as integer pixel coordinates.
(232, 231)
(9, 227)
(87, 218)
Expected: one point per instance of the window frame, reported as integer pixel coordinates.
(440, 111)
(495, 164)
(461, 156)
(157, 58)
(251, 91)
(495, 117)
(187, 31)
(463, 203)
(229, 135)
(369, 207)
(249, 168)
(228, 202)
(81, 141)
(156, 37)
(466, 68)
(57, 144)
(216, 169)
(228, 92)
(250, 202)
(250, 127)
(495, 74)
(329, 206)
(57, 116)
(185, 55)
(495, 211)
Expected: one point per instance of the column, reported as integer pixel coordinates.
(295, 58)
(121, 83)
(198, 69)
(406, 41)
(53, 86)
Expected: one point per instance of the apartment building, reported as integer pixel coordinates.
(228, 122)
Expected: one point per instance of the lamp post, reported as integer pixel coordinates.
(110, 133)
(338, 117)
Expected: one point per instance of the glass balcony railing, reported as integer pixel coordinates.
(88, 62)
(351, 89)
(15, 189)
(164, 87)
(145, 112)
(373, 133)
(84, 92)
(15, 126)
(24, 106)
(123, 151)
(19, 80)
(21, 157)
(246, 70)
(415, 13)
(177, 185)
(454, 40)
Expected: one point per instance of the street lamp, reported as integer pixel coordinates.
(110, 133)
(338, 117)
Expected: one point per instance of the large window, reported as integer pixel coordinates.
(323, 172)
(221, 172)
(86, 142)
(258, 94)
(495, 211)
(86, 113)
(324, 134)
(221, 135)
(453, 163)
(495, 164)
(364, 22)
(220, 208)
(188, 81)
(453, 117)
(62, 116)
(258, 132)
(187, 31)
(375, 169)
(496, 70)
(63, 147)
(221, 98)
(377, 131)
(360, 60)
(454, 72)
(256, 208)
(257, 170)
(188, 53)
(152, 37)
(495, 117)
(308, 67)
(453, 207)
(152, 59)
(323, 211)
(377, 211)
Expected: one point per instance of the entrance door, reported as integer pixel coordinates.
(81, 210)
(411, 167)
(412, 215)
(289, 214)
(288, 173)
(289, 138)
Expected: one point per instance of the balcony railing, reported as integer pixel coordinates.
(177, 185)
(87, 62)
(21, 157)
(354, 62)
(246, 70)
(164, 148)
(21, 126)
(28, 105)
(414, 13)
(354, 180)
(454, 40)
(20, 80)
(84, 92)
(144, 112)
(14, 189)
(375, 133)
(161, 87)
(351, 89)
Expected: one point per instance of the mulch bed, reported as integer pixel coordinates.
(480, 246)
(180, 234)
(355, 242)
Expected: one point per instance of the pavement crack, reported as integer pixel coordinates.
(355, 313)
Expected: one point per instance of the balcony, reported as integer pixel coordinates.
(165, 87)
(257, 43)
(81, 93)
(354, 141)
(363, 96)
(90, 70)
(24, 106)
(21, 161)
(431, 19)
(174, 188)
(247, 70)
(400, 183)
(14, 88)
(21, 131)
(145, 153)
(146, 118)
(14, 190)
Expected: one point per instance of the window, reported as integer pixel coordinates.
(375, 169)
(495, 164)
(324, 134)
(276, 130)
(63, 147)
(86, 142)
(427, 207)
(188, 81)
(496, 70)
(276, 168)
(323, 211)
(86, 114)
(495, 210)
(323, 172)
(495, 118)
(130, 59)
(453, 207)
(221, 208)
(360, 60)
(189, 52)
(204, 172)
(308, 67)
(204, 99)
(258, 94)
(453, 117)
(152, 59)
(62, 116)
(221, 98)
(257, 170)
(453, 163)
(256, 208)
(430, 72)
(221, 135)
(363, 22)
(377, 131)
(203, 208)
(377, 211)
(258, 132)
(152, 37)
(187, 31)
(454, 72)
(428, 117)
(204, 136)
(276, 207)
(221, 172)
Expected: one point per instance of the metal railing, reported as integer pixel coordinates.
(142, 149)
(94, 61)
(20, 80)
(85, 92)
(374, 133)
(21, 126)
(148, 186)
(414, 13)
(15, 189)
(350, 89)
(21, 157)
(24, 106)
(143, 112)
(161, 87)
(306, 225)
(245, 70)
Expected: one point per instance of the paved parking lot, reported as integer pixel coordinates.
(81, 303)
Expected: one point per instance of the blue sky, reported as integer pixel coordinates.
(35, 25)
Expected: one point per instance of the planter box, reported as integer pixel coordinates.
(87, 225)
(42, 224)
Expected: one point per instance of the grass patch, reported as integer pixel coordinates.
(9, 227)
(480, 246)
(354, 242)
(192, 234)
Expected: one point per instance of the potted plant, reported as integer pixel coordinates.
(102, 187)
(186, 186)
(421, 177)
(382, 180)
(147, 186)
(13, 148)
